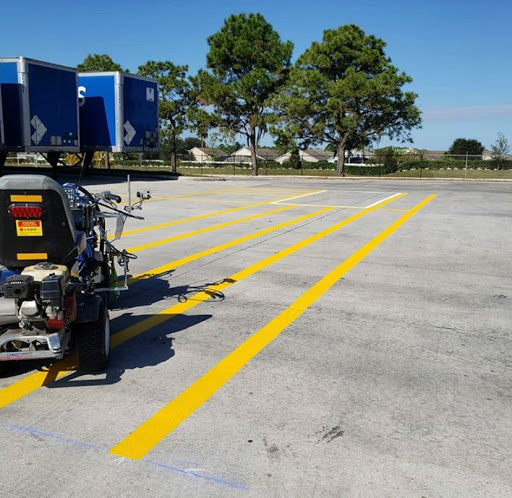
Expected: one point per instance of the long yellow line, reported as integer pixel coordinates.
(205, 216)
(205, 230)
(206, 294)
(150, 433)
(193, 218)
(222, 247)
(19, 389)
(62, 368)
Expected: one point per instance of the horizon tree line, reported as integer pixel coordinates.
(343, 91)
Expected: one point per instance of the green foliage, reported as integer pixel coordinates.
(183, 145)
(345, 92)
(99, 62)
(229, 148)
(500, 149)
(452, 164)
(181, 148)
(248, 63)
(365, 170)
(173, 87)
(174, 100)
(200, 121)
(387, 157)
(463, 146)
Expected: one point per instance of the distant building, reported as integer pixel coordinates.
(243, 155)
(207, 154)
(308, 156)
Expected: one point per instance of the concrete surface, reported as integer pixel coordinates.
(396, 382)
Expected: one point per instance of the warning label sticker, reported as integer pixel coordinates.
(29, 228)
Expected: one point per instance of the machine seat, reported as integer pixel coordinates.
(44, 231)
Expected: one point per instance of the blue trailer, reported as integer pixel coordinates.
(40, 106)
(118, 112)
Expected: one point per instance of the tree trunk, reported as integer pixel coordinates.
(252, 145)
(173, 150)
(340, 167)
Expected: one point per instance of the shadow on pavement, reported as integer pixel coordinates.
(147, 350)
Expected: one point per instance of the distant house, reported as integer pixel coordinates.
(243, 155)
(487, 155)
(434, 155)
(308, 156)
(207, 154)
(354, 157)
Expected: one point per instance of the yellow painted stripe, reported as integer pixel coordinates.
(206, 294)
(27, 256)
(222, 247)
(193, 218)
(157, 243)
(34, 381)
(150, 433)
(26, 198)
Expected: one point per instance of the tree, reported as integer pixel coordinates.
(344, 92)
(463, 146)
(174, 100)
(248, 64)
(200, 121)
(387, 157)
(229, 148)
(183, 145)
(99, 62)
(500, 149)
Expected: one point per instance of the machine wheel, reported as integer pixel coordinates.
(93, 342)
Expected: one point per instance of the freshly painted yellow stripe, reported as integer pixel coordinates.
(193, 218)
(27, 256)
(205, 230)
(34, 381)
(206, 294)
(150, 433)
(26, 198)
(222, 247)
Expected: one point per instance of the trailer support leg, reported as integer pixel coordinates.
(3, 158)
(53, 160)
(86, 162)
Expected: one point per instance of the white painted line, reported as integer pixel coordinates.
(382, 200)
(297, 196)
(316, 205)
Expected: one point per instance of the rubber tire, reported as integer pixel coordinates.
(93, 342)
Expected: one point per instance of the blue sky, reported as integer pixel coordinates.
(457, 52)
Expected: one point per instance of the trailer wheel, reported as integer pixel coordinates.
(93, 342)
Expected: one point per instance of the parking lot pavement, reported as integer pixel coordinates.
(288, 338)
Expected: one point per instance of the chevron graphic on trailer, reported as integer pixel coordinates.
(130, 132)
(40, 130)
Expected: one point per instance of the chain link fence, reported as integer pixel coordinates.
(413, 164)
